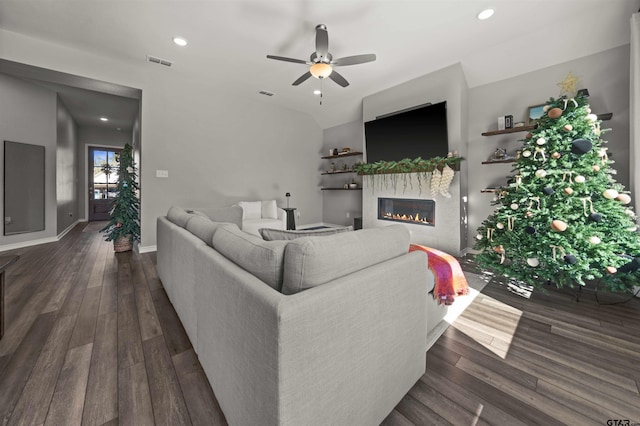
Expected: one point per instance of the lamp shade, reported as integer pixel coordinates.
(321, 70)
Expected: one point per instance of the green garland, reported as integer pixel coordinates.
(407, 165)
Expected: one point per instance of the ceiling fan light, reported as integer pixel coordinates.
(320, 70)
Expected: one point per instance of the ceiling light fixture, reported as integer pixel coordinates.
(320, 70)
(486, 14)
(317, 92)
(104, 119)
(180, 41)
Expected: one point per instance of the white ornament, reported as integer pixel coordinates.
(579, 179)
(610, 194)
(632, 229)
(541, 141)
(526, 153)
(533, 262)
(591, 117)
(541, 173)
(129, 169)
(624, 198)
(478, 236)
(629, 212)
(546, 108)
(594, 240)
(500, 225)
(514, 206)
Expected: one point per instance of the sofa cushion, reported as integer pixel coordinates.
(203, 228)
(263, 259)
(270, 234)
(269, 209)
(310, 262)
(179, 216)
(251, 209)
(232, 214)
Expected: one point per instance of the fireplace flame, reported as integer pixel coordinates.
(407, 218)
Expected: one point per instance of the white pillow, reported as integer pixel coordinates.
(251, 209)
(269, 209)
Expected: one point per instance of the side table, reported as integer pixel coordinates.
(5, 262)
(291, 218)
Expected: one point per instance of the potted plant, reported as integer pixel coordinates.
(124, 221)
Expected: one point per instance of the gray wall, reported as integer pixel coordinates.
(28, 115)
(341, 207)
(66, 168)
(94, 136)
(219, 147)
(605, 74)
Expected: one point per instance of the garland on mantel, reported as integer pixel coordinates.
(407, 165)
(437, 173)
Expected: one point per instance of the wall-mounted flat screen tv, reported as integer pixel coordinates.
(417, 132)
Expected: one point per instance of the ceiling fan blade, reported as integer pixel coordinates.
(322, 41)
(354, 60)
(338, 79)
(302, 78)
(282, 58)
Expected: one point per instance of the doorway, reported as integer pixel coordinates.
(103, 181)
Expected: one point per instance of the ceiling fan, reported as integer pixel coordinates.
(321, 62)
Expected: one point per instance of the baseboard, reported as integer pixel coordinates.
(24, 244)
(69, 228)
(147, 249)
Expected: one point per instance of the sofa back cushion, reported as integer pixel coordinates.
(203, 228)
(269, 209)
(269, 234)
(179, 216)
(231, 214)
(251, 209)
(310, 261)
(263, 259)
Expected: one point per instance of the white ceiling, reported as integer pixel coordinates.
(229, 39)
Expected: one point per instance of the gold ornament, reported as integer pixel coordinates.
(568, 190)
(596, 168)
(558, 225)
(541, 173)
(529, 214)
(611, 269)
(568, 85)
(610, 194)
(556, 155)
(568, 127)
(555, 112)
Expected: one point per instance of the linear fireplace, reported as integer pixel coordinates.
(407, 210)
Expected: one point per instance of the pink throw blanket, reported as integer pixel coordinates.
(448, 276)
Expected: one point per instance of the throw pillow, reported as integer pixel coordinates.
(263, 259)
(269, 209)
(269, 234)
(251, 209)
(179, 216)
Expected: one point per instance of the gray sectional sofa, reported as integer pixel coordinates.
(311, 331)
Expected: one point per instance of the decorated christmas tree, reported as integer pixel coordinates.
(124, 222)
(563, 219)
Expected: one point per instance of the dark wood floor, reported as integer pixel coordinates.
(91, 338)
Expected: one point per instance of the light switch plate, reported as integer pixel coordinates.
(162, 173)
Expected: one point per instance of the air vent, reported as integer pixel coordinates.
(159, 61)
(264, 92)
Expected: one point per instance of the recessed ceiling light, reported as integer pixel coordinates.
(180, 41)
(486, 14)
(317, 92)
(104, 119)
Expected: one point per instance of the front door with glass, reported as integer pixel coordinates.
(103, 181)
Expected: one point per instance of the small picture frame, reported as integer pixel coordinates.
(534, 113)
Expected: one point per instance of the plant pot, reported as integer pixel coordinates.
(122, 244)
